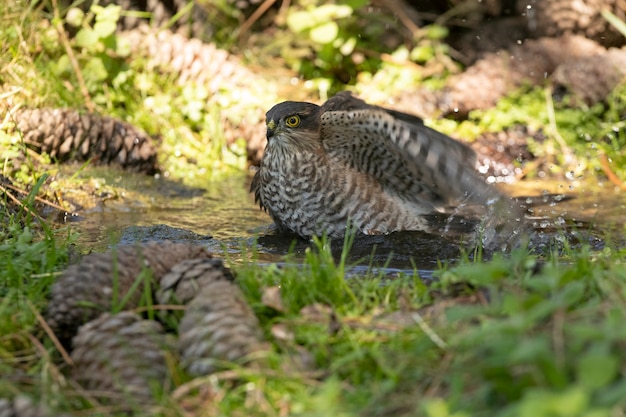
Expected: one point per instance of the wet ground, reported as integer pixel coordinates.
(223, 216)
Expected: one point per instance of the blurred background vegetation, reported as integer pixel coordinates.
(200, 86)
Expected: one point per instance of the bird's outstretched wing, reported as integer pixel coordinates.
(417, 162)
(402, 153)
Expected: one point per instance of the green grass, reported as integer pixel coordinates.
(518, 335)
(515, 336)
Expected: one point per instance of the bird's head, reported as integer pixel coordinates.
(294, 123)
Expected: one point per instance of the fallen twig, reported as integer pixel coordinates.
(50, 333)
(70, 54)
(606, 167)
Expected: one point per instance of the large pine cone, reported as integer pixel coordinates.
(22, 406)
(88, 288)
(218, 326)
(591, 79)
(497, 74)
(190, 59)
(66, 134)
(121, 354)
(240, 94)
(187, 278)
(584, 17)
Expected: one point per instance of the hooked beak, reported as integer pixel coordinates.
(271, 128)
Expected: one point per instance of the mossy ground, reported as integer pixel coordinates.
(517, 335)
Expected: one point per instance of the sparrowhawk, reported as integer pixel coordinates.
(350, 162)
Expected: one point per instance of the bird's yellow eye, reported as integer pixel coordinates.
(293, 121)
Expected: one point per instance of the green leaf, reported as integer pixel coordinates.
(356, 4)
(422, 53)
(569, 403)
(86, 38)
(75, 16)
(63, 66)
(572, 402)
(325, 33)
(530, 350)
(104, 28)
(348, 46)
(615, 21)
(436, 408)
(596, 370)
(95, 70)
(329, 12)
(436, 32)
(573, 293)
(122, 47)
(106, 19)
(299, 21)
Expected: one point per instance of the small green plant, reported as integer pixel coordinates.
(98, 55)
(31, 256)
(576, 138)
(336, 44)
(324, 27)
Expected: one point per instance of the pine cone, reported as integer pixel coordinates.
(591, 79)
(22, 406)
(121, 354)
(559, 17)
(218, 326)
(497, 74)
(183, 282)
(87, 289)
(190, 59)
(240, 94)
(66, 134)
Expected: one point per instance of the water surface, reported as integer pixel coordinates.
(222, 215)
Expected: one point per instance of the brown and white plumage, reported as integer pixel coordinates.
(346, 160)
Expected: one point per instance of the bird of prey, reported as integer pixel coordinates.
(348, 162)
